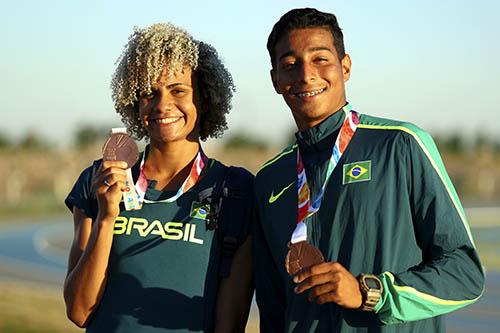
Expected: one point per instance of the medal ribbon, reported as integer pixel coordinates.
(193, 177)
(306, 206)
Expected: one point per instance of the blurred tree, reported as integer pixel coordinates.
(453, 143)
(244, 140)
(32, 141)
(481, 143)
(4, 141)
(88, 135)
(290, 137)
(496, 147)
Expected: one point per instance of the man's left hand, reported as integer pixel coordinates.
(329, 282)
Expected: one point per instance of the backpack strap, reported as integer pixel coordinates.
(235, 214)
(213, 196)
(231, 204)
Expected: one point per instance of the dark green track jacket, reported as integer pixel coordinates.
(389, 209)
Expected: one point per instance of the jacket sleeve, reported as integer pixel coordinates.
(450, 275)
(269, 290)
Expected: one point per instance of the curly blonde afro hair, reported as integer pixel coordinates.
(160, 47)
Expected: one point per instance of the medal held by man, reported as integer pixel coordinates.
(121, 147)
(302, 254)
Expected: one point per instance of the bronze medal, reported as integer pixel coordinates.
(120, 147)
(302, 255)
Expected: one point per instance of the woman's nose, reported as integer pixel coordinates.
(164, 101)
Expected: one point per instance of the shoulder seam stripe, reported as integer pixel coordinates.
(427, 297)
(436, 168)
(286, 152)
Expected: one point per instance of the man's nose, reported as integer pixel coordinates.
(307, 72)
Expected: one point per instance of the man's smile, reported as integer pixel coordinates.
(309, 93)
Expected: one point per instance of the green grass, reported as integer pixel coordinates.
(43, 205)
(27, 309)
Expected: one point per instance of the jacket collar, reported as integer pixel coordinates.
(323, 135)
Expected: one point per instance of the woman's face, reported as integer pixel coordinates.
(170, 113)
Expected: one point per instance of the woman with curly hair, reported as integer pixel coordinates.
(160, 268)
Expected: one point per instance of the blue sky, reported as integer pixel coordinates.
(434, 63)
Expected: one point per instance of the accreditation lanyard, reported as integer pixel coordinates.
(193, 177)
(306, 206)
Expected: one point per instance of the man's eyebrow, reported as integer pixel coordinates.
(320, 48)
(312, 49)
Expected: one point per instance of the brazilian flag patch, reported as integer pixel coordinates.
(357, 172)
(199, 210)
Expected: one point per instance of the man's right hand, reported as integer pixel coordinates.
(330, 282)
(109, 183)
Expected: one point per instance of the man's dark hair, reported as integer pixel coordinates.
(301, 18)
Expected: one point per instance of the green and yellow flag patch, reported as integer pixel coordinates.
(199, 210)
(357, 172)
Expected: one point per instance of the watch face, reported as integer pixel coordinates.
(372, 283)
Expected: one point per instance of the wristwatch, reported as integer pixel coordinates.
(371, 290)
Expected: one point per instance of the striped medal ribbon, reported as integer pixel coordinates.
(193, 177)
(306, 206)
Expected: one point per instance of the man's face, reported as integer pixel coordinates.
(309, 75)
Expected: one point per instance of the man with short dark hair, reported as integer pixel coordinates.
(359, 227)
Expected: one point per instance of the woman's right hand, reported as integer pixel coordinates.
(109, 184)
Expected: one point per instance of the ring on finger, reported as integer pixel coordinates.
(105, 182)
